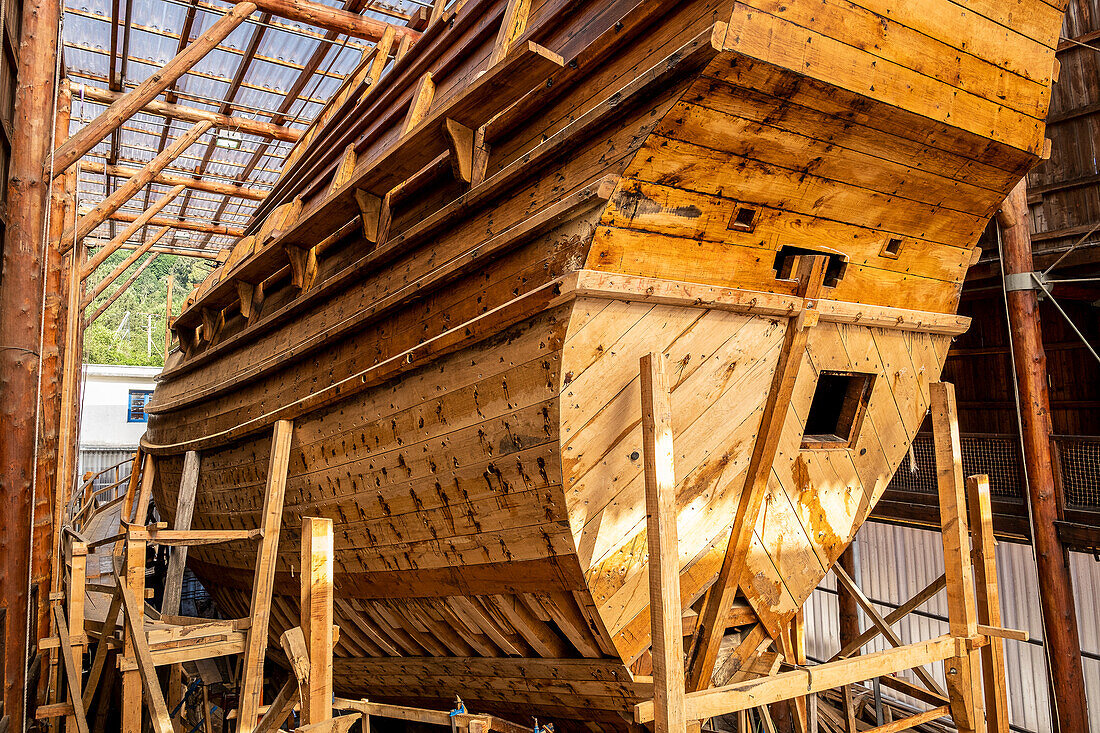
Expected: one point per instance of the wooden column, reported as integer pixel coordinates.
(46, 511)
(1060, 634)
(134, 579)
(665, 611)
(20, 329)
(963, 672)
(317, 560)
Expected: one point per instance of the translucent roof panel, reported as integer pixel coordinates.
(251, 74)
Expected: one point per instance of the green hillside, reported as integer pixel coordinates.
(131, 331)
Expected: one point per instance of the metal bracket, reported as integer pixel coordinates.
(1021, 281)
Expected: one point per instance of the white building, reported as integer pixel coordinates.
(112, 415)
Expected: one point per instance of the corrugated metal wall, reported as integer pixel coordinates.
(895, 563)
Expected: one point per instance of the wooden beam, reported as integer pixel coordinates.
(316, 607)
(988, 601)
(893, 617)
(191, 226)
(665, 610)
(134, 621)
(708, 635)
(138, 181)
(143, 658)
(185, 509)
(752, 693)
(171, 179)
(122, 267)
(251, 696)
(281, 707)
(193, 114)
(331, 19)
(964, 669)
(135, 225)
(880, 623)
(132, 102)
(122, 288)
(72, 671)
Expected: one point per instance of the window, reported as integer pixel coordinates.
(136, 408)
(892, 248)
(836, 411)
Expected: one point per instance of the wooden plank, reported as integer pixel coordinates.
(988, 601)
(316, 606)
(78, 576)
(188, 537)
(912, 721)
(963, 670)
(72, 671)
(880, 623)
(705, 704)
(185, 508)
(665, 610)
(134, 626)
(708, 636)
(894, 616)
(281, 707)
(294, 646)
(264, 578)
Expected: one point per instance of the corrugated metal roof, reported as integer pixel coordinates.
(129, 39)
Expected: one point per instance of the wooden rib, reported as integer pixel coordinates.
(708, 636)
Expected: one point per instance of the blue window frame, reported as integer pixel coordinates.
(136, 407)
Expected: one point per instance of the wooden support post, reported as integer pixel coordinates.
(317, 565)
(712, 621)
(185, 508)
(134, 582)
(1061, 637)
(963, 671)
(848, 611)
(665, 612)
(78, 578)
(142, 658)
(122, 288)
(72, 671)
(124, 236)
(989, 602)
(122, 267)
(263, 581)
(131, 103)
(138, 181)
(31, 79)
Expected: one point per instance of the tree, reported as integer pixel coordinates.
(131, 331)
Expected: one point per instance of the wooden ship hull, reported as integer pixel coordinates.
(450, 287)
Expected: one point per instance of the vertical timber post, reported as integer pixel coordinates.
(20, 331)
(317, 562)
(1060, 634)
(848, 610)
(665, 611)
(964, 673)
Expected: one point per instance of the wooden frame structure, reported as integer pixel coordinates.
(972, 652)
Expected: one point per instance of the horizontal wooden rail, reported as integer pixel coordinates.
(818, 678)
(186, 537)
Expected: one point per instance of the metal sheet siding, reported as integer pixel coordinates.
(894, 563)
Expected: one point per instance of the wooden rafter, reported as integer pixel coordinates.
(170, 179)
(194, 114)
(121, 289)
(122, 267)
(125, 108)
(136, 223)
